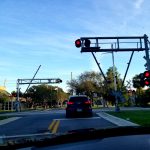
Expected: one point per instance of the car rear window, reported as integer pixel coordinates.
(78, 99)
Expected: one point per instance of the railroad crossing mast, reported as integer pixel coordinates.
(115, 44)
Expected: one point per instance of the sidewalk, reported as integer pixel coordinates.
(121, 109)
(115, 120)
(102, 112)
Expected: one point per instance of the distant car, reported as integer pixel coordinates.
(79, 104)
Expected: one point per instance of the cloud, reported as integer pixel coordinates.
(138, 4)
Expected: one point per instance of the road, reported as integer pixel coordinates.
(53, 121)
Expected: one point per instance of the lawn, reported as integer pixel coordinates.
(4, 117)
(5, 111)
(141, 117)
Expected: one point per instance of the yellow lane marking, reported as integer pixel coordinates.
(52, 125)
(56, 126)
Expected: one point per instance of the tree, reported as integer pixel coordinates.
(110, 78)
(109, 93)
(136, 81)
(92, 82)
(87, 83)
(137, 85)
(4, 96)
(61, 95)
(45, 95)
(14, 94)
(143, 96)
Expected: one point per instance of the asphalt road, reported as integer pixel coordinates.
(53, 121)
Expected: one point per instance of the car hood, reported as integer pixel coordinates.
(48, 139)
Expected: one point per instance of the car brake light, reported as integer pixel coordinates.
(70, 103)
(87, 102)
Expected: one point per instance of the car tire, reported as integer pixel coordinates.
(67, 115)
(90, 114)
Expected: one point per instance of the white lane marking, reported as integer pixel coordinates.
(79, 118)
(8, 120)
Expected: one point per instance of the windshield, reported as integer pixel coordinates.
(78, 99)
(56, 54)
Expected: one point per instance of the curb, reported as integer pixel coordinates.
(115, 120)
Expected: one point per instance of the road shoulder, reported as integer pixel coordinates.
(8, 120)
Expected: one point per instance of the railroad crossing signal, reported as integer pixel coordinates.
(147, 78)
(86, 43)
(78, 43)
(143, 79)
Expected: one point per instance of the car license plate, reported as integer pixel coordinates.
(79, 110)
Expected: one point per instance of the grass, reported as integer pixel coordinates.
(141, 117)
(4, 117)
(6, 111)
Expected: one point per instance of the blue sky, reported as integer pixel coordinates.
(42, 32)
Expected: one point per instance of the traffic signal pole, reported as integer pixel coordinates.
(127, 69)
(33, 81)
(121, 44)
(146, 52)
(98, 64)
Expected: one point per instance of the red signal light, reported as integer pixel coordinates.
(147, 74)
(78, 43)
(147, 82)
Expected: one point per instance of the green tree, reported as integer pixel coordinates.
(110, 79)
(46, 95)
(109, 86)
(87, 83)
(143, 96)
(136, 81)
(4, 96)
(14, 94)
(93, 82)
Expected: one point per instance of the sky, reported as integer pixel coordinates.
(43, 32)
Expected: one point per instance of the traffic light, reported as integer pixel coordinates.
(87, 43)
(147, 78)
(78, 43)
(58, 81)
